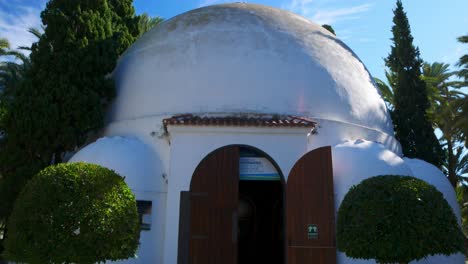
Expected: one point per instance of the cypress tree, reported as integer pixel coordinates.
(412, 126)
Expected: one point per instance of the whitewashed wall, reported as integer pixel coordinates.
(189, 145)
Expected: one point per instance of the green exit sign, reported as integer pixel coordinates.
(312, 231)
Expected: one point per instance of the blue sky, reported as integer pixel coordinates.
(364, 25)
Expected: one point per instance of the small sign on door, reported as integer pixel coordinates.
(312, 231)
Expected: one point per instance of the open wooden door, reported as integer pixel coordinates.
(310, 210)
(214, 196)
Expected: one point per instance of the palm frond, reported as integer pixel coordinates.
(36, 32)
(463, 39)
(386, 91)
(4, 44)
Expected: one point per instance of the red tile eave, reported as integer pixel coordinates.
(233, 121)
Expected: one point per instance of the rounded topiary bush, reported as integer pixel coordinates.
(396, 219)
(73, 213)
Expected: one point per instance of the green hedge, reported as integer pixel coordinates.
(396, 219)
(73, 213)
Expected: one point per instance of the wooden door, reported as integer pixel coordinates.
(310, 204)
(214, 195)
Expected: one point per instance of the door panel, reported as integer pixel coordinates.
(214, 195)
(309, 202)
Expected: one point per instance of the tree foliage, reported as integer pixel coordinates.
(146, 22)
(11, 73)
(412, 127)
(67, 85)
(4, 46)
(462, 198)
(73, 213)
(62, 94)
(463, 74)
(387, 90)
(329, 28)
(445, 109)
(463, 61)
(396, 219)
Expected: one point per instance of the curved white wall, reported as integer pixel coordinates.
(130, 158)
(331, 133)
(355, 161)
(432, 175)
(238, 58)
(141, 167)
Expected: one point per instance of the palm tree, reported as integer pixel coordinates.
(4, 46)
(463, 61)
(387, 90)
(37, 33)
(444, 111)
(146, 22)
(463, 74)
(12, 72)
(463, 120)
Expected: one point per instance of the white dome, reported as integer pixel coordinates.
(129, 157)
(246, 58)
(432, 175)
(355, 161)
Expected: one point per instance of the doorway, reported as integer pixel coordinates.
(260, 230)
(260, 210)
(235, 214)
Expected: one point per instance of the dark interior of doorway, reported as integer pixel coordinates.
(260, 236)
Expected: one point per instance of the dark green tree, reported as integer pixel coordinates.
(73, 213)
(463, 62)
(62, 96)
(146, 22)
(329, 28)
(11, 74)
(444, 96)
(396, 219)
(463, 74)
(412, 126)
(445, 109)
(462, 198)
(4, 46)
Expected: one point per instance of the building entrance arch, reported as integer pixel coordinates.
(230, 216)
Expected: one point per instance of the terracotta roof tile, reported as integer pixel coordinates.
(252, 121)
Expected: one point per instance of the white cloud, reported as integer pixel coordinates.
(14, 25)
(315, 10)
(300, 6)
(332, 16)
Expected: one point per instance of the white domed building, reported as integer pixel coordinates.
(240, 128)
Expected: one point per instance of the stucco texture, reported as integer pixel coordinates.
(250, 58)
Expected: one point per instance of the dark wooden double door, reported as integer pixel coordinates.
(209, 212)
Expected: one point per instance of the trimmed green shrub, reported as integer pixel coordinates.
(396, 219)
(73, 213)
